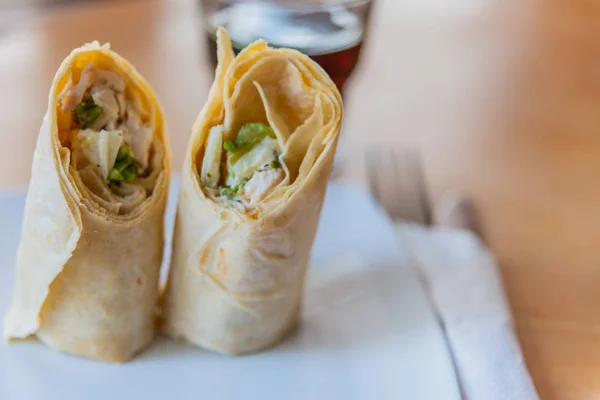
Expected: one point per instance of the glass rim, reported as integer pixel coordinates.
(303, 6)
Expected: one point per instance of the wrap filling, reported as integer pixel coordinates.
(245, 169)
(110, 137)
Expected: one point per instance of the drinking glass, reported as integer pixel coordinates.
(331, 32)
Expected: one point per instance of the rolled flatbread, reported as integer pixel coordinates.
(92, 239)
(253, 182)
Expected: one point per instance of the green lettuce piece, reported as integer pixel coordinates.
(253, 133)
(124, 169)
(86, 113)
(125, 152)
(114, 176)
(229, 146)
(230, 191)
(130, 173)
(249, 136)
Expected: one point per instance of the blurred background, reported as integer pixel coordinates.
(500, 99)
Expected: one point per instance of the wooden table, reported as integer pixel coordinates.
(503, 98)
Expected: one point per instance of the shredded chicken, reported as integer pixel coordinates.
(261, 183)
(73, 95)
(109, 79)
(138, 136)
(107, 99)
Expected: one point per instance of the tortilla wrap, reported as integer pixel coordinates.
(88, 264)
(237, 274)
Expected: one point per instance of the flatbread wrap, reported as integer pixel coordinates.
(92, 239)
(252, 186)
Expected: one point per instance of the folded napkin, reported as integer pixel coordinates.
(466, 290)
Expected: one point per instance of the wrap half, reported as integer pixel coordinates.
(92, 239)
(252, 187)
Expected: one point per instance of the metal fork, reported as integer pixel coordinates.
(397, 180)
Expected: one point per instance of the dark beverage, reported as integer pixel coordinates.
(332, 37)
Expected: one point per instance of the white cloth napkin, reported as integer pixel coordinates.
(465, 288)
